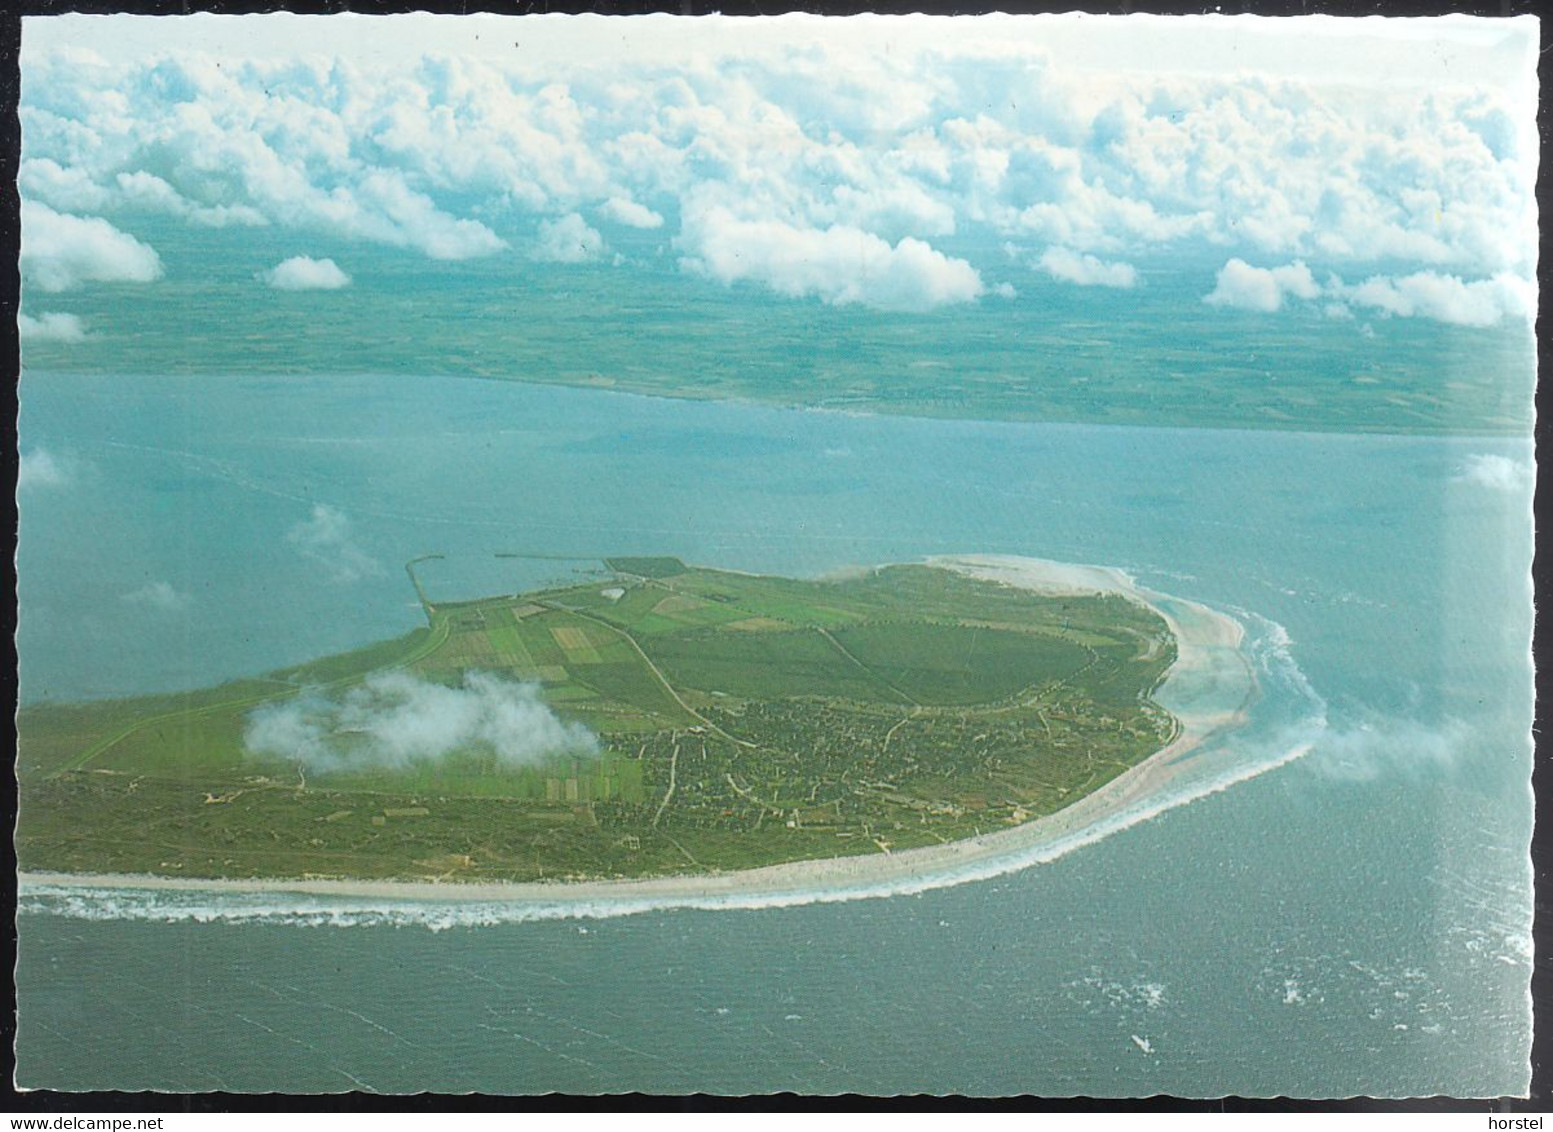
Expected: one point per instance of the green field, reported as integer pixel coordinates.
(740, 721)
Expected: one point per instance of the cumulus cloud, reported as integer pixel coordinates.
(568, 240)
(41, 468)
(1448, 298)
(1423, 294)
(60, 251)
(160, 596)
(148, 191)
(1259, 288)
(840, 265)
(325, 538)
(382, 206)
(1086, 270)
(1386, 747)
(50, 327)
(397, 720)
(623, 210)
(1497, 473)
(302, 273)
(1327, 172)
(897, 208)
(963, 136)
(68, 188)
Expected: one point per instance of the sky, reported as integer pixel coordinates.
(1369, 168)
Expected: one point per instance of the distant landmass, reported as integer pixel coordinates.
(1155, 355)
(665, 720)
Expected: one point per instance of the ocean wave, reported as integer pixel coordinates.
(1288, 719)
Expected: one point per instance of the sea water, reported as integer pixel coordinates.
(1353, 920)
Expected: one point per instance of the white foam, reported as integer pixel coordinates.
(164, 906)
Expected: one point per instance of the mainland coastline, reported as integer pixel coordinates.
(1208, 690)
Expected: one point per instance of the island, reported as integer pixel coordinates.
(655, 722)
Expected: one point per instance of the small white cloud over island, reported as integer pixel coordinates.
(303, 273)
(398, 720)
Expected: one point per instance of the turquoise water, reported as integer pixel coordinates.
(1355, 921)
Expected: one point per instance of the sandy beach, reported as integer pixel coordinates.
(1208, 690)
